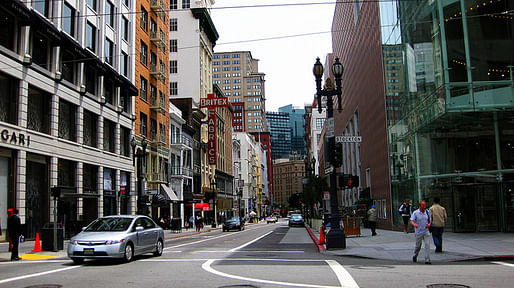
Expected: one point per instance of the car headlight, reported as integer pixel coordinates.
(110, 242)
(75, 242)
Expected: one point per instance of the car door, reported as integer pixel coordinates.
(150, 234)
(139, 241)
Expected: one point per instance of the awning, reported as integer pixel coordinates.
(170, 195)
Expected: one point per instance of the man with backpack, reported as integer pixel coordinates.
(421, 221)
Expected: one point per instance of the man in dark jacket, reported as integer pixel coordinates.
(14, 230)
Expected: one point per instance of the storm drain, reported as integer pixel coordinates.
(447, 286)
(45, 286)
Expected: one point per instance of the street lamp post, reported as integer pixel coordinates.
(335, 238)
(141, 199)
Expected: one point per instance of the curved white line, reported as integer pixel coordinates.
(36, 274)
(344, 277)
(207, 267)
(248, 243)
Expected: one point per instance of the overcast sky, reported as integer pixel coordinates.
(287, 61)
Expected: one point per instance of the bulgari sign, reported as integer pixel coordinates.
(14, 138)
(211, 103)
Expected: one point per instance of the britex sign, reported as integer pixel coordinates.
(212, 102)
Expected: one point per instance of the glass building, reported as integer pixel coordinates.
(280, 134)
(455, 139)
(297, 123)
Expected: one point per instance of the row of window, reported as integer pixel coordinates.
(227, 56)
(143, 128)
(186, 4)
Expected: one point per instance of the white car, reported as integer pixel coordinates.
(117, 237)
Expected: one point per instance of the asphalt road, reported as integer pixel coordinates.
(264, 255)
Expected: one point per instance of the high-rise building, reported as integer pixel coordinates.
(288, 179)
(280, 134)
(151, 106)
(297, 124)
(66, 111)
(455, 139)
(237, 73)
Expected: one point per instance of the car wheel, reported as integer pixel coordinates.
(77, 260)
(158, 248)
(129, 253)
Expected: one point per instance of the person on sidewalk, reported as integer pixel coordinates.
(421, 221)
(439, 218)
(14, 230)
(199, 222)
(372, 219)
(405, 211)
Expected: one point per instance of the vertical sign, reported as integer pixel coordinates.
(211, 136)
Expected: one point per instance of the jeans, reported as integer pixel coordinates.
(425, 237)
(437, 235)
(373, 226)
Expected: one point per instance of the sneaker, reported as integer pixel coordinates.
(414, 259)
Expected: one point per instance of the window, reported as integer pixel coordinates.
(124, 141)
(68, 19)
(127, 3)
(153, 129)
(143, 124)
(109, 13)
(173, 45)
(92, 4)
(143, 89)
(40, 51)
(91, 37)
(67, 122)
(144, 19)
(173, 4)
(67, 66)
(89, 132)
(109, 131)
(153, 95)
(320, 122)
(124, 28)
(39, 106)
(153, 26)
(186, 4)
(124, 64)
(173, 88)
(108, 91)
(143, 53)
(173, 67)
(173, 24)
(42, 6)
(109, 46)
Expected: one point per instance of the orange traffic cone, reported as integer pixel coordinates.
(37, 245)
(321, 236)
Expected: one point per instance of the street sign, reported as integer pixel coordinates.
(348, 139)
(329, 169)
(329, 132)
(213, 102)
(326, 195)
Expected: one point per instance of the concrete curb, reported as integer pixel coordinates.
(321, 247)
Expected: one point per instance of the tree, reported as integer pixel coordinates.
(313, 191)
(295, 201)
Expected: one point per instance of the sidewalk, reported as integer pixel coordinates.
(25, 249)
(398, 246)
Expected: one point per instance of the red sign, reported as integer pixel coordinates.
(213, 102)
(211, 136)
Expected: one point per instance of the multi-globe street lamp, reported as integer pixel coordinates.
(141, 197)
(335, 238)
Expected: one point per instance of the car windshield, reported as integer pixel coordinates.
(296, 216)
(233, 219)
(109, 224)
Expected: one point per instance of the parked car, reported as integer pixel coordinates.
(117, 237)
(296, 220)
(233, 223)
(271, 219)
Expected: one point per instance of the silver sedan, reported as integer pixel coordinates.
(117, 237)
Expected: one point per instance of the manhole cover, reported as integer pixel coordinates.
(45, 286)
(447, 286)
(237, 286)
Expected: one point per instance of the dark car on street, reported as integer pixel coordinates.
(233, 223)
(296, 220)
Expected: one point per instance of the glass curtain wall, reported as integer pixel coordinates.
(455, 137)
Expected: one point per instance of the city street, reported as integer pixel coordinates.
(263, 255)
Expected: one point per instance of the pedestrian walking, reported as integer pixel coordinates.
(14, 230)
(191, 221)
(439, 218)
(372, 219)
(420, 219)
(405, 210)
(198, 222)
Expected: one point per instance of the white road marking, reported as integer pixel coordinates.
(37, 274)
(344, 277)
(503, 263)
(33, 261)
(230, 259)
(248, 243)
(207, 267)
(250, 251)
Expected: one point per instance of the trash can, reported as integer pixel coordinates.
(47, 237)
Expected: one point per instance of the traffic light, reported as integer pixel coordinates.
(348, 181)
(56, 191)
(338, 154)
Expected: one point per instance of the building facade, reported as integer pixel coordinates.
(297, 125)
(454, 140)
(288, 180)
(237, 74)
(280, 131)
(66, 111)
